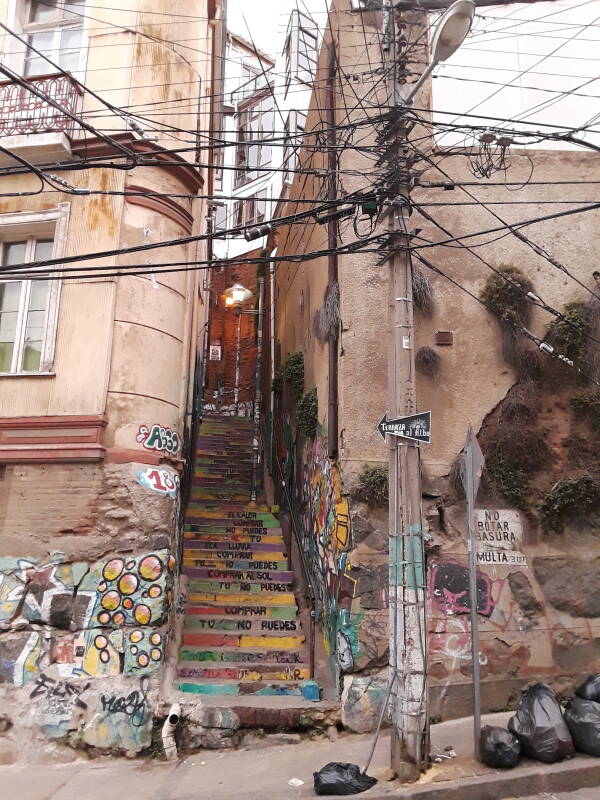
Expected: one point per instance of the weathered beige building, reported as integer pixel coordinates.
(98, 361)
(539, 619)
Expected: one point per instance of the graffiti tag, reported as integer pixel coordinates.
(158, 439)
(132, 705)
(161, 481)
(61, 697)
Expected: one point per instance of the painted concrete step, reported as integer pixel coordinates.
(235, 642)
(225, 587)
(236, 563)
(255, 519)
(243, 672)
(244, 576)
(196, 657)
(223, 598)
(220, 536)
(259, 688)
(231, 546)
(272, 627)
(214, 557)
(255, 611)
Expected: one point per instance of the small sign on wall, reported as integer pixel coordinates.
(215, 352)
(499, 535)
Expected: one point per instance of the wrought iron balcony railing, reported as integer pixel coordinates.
(22, 111)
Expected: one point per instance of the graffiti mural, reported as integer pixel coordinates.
(327, 533)
(161, 481)
(159, 439)
(102, 618)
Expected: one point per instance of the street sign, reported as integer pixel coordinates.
(416, 427)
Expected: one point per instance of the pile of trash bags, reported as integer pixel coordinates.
(541, 730)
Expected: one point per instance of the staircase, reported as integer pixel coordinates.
(242, 634)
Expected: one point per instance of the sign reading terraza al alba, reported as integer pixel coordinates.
(499, 535)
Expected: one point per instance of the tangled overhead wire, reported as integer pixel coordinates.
(489, 152)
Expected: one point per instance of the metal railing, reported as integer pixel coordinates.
(22, 112)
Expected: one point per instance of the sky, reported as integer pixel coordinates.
(546, 52)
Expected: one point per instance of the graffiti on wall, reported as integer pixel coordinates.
(102, 618)
(161, 481)
(327, 532)
(158, 439)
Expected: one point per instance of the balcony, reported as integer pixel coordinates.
(33, 128)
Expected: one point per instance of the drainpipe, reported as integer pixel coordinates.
(168, 732)
(272, 338)
(257, 387)
(332, 262)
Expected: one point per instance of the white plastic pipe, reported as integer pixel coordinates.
(168, 732)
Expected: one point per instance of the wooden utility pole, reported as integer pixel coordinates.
(407, 577)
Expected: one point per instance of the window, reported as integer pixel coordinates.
(252, 210)
(301, 48)
(55, 28)
(294, 126)
(218, 169)
(219, 216)
(366, 5)
(252, 155)
(26, 308)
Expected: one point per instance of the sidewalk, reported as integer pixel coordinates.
(263, 774)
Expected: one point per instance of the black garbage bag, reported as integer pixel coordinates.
(583, 720)
(498, 748)
(340, 778)
(590, 689)
(540, 727)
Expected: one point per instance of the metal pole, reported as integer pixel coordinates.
(236, 388)
(257, 388)
(409, 706)
(470, 492)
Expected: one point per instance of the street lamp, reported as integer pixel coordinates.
(451, 31)
(234, 297)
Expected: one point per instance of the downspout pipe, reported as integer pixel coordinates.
(332, 261)
(257, 387)
(272, 344)
(168, 732)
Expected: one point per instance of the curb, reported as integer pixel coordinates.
(583, 772)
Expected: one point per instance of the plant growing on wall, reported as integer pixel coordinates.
(372, 486)
(505, 295)
(567, 499)
(588, 405)
(427, 361)
(512, 459)
(568, 334)
(291, 374)
(307, 414)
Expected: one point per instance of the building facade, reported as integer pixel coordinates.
(104, 114)
(537, 511)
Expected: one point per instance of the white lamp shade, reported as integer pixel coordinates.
(452, 29)
(236, 294)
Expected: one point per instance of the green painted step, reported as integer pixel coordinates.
(272, 627)
(260, 688)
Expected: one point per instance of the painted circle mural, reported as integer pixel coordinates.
(112, 569)
(171, 563)
(143, 659)
(142, 614)
(150, 568)
(128, 603)
(118, 618)
(133, 649)
(136, 636)
(155, 590)
(111, 600)
(128, 583)
(103, 617)
(155, 638)
(100, 642)
(104, 656)
(155, 654)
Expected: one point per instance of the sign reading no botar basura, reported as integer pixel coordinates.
(416, 427)
(499, 538)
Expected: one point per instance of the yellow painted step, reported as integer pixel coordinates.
(262, 599)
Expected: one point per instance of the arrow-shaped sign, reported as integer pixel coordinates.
(416, 427)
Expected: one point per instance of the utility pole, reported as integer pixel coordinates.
(408, 633)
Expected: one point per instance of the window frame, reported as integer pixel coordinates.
(301, 31)
(294, 123)
(30, 227)
(249, 126)
(15, 54)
